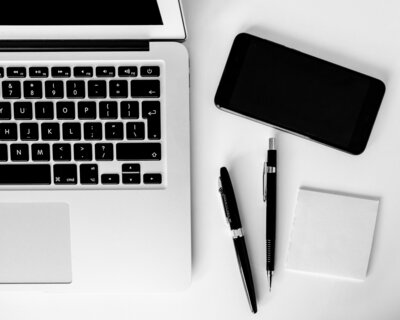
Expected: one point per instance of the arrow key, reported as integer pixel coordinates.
(110, 178)
(131, 167)
(152, 178)
(131, 178)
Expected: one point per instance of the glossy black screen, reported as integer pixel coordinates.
(295, 91)
(74, 12)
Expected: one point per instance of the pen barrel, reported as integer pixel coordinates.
(271, 220)
(245, 271)
(271, 158)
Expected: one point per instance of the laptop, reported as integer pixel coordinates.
(94, 147)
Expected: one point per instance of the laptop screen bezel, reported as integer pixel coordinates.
(172, 29)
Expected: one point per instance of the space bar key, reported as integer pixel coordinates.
(28, 174)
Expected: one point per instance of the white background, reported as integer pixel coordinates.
(363, 35)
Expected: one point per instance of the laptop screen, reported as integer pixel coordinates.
(71, 12)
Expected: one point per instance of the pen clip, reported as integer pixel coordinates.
(223, 197)
(265, 182)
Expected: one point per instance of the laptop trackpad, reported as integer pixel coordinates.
(35, 243)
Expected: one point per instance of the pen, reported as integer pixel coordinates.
(233, 219)
(269, 193)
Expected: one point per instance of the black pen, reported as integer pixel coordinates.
(233, 219)
(269, 194)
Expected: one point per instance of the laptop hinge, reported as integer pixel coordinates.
(73, 45)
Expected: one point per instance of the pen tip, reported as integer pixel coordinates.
(270, 281)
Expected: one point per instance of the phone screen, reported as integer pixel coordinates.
(300, 93)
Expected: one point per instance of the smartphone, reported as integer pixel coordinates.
(299, 93)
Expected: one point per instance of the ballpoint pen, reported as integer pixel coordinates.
(233, 219)
(269, 194)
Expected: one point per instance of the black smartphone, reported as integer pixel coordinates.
(299, 93)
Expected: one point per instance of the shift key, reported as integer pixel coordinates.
(139, 151)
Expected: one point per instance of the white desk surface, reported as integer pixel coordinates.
(359, 34)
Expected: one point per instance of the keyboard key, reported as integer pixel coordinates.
(104, 152)
(71, 131)
(65, 174)
(93, 131)
(135, 130)
(83, 72)
(83, 152)
(25, 174)
(54, 89)
(89, 174)
(61, 72)
(19, 152)
(38, 72)
(3, 152)
(61, 152)
(105, 71)
(50, 131)
(138, 151)
(1, 72)
(33, 89)
(29, 131)
(129, 109)
(131, 167)
(151, 112)
(145, 88)
(16, 72)
(110, 179)
(118, 89)
(5, 110)
(11, 89)
(65, 110)
(8, 131)
(150, 71)
(23, 110)
(127, 71)
(114, 131)
(97, 89)
(44, 110)
(152, 178)
(40, 152)
(108, 110)
(75, 89)
(131, 178)
(87, 110)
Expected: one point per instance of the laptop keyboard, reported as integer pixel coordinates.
(82, 126)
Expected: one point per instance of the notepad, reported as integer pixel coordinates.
(332, 234)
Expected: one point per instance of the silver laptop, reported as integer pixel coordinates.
(94, 148)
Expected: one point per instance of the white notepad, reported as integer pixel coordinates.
(332, 234)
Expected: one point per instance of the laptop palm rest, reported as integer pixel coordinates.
(35, 243)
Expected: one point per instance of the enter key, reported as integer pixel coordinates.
(151, 112)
